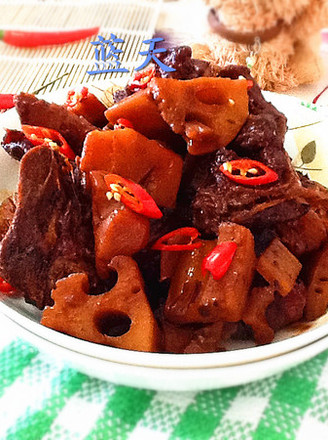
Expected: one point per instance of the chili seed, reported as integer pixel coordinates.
(115, 187)
(227, 166)
(109, 195)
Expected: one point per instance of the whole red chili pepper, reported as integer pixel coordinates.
(218, 261)
(123, 123)
(132, 195)
(6, 101)
(191, 234)
(50, 137)
(142, 78)
(6, 288)
(315, 100)
(21, 38)
(248, 172)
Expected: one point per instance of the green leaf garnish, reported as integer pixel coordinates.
(309, 152)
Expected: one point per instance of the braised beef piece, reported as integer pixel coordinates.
(7, 212)
(257, 133)
(196, 174)
(121, 94)
(213, 198)
(265, 124)
(16, 144)
(217, 198)
(34, 111)
(51, 233)
(286, 211)
(186, 67)
(286, 310)
(314, 193)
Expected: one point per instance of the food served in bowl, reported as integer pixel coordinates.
(176, 225)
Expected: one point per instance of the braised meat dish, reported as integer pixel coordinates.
(171, 221)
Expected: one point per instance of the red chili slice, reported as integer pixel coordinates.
(74, 97)
(6, 101)
(132, 195)
(218, 261)
(249, 84)
(47, 136)
(123, 123)
(189, 233)
(142, 78)
(248, 172)
(6, 288)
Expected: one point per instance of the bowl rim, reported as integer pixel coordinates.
(163, 360)
(173, 380)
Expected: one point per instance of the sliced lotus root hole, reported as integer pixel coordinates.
(106, 285)
(211, 96)
(120, 317)
(113, 323)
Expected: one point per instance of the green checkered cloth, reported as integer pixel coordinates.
(43, 399)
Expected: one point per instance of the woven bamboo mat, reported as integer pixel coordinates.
(29, 69)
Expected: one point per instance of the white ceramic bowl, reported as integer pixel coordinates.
(183, 372)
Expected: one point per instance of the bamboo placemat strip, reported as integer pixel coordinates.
(28, 69)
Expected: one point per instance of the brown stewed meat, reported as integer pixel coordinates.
(215, 198)
(186, 67)
(34, 111)
(16, 144)
(51, 233)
